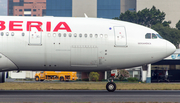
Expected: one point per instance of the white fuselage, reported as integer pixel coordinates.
(76, 44)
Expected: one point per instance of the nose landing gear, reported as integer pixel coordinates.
(111, 86)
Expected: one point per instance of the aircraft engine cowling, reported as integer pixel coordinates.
(6, 64)
(2, 77)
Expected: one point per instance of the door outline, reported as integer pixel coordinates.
(39, 43)
(115, 35)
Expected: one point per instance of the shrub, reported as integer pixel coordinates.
(94, 76)
(123, 74)
(85, 79)
(104, 79)
(131, 79)
(78, 79)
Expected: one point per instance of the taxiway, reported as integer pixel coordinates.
(90, 96)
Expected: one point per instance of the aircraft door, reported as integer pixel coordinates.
(35, 36)
(120, 36)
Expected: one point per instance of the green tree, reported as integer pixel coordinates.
(166, 23)
(123, 74)
(178, 25)
(128, 16)
(146, 17)
(154, 18)
(94, 76)
(132, 79)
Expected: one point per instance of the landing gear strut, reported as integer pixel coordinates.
(111, 86)
(2, 77)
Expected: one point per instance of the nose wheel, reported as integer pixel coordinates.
(111, 86)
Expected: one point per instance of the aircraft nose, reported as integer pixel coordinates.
(170, 48)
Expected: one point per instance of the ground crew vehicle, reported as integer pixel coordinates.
(52, 75)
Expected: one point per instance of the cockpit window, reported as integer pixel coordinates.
(148, 36)
(154, 36)
(159, 36)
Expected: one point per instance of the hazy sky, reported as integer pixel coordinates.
(3, 7)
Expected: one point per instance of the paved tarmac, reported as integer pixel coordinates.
(89, 96)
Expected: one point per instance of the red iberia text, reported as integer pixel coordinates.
(18, 26)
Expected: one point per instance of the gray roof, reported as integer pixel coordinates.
(177, 51)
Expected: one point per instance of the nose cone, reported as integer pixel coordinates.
(170, 48)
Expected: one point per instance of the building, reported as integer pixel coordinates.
(93, 8)
(110, 9)
(26, 7)
(128, 5)
(61, 8)
(170, 64)
(77, 8)
(3, 7)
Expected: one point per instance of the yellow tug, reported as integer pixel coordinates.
(52, 75)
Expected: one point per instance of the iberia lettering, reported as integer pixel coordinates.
(13, 24)
(35, 24)
(58, 27)
(18, 26)
(2, 26)
(48, 26)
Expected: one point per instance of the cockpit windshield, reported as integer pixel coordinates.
(148, 36)
(152, 36)
(159, 36)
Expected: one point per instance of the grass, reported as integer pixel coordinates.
(86, 86)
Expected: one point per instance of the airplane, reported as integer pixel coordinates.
(77, 44)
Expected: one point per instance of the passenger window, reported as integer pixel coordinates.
(80, 35)
(96, 35)
(23, 34)
(90, 35)
(2, 33)
(85, 35)
(7, 34)
(59, 34)
(154, 36)
(64, 34)
(70, 35)
(75, 35)
(148, 36)
(12, 34)
(54, 34)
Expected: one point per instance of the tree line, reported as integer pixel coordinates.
(155, 19)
